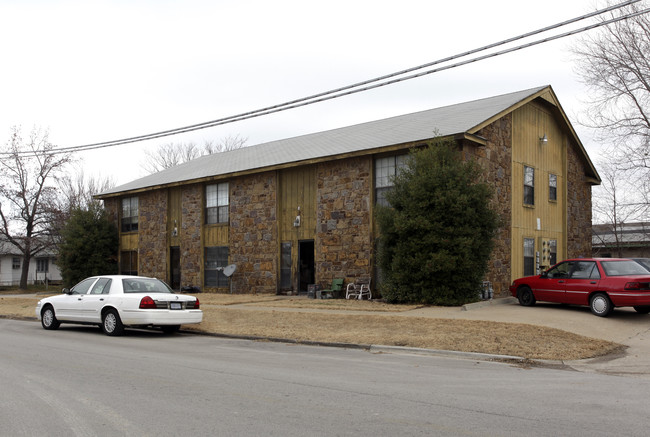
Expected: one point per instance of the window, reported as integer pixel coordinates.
(42, 265)
(130, 214)
(529, 185)
(129, 263)
(102, 286)
(15, 263)
(216, 203)
(83, 286)
(385, 170)
(585, 270)
(529, 256)
(552, 187)
(215, 259)
(552, 252)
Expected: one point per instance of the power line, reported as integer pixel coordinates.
(366, 85)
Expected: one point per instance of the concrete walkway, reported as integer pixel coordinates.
(624, 326)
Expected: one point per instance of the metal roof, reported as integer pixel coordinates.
(626, 235)
(418, 126)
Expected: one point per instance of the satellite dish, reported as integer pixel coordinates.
(229, 270)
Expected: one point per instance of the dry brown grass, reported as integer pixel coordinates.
(344, 321)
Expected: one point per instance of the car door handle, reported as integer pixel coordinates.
(560, 282)
(593, 282)
(102, 299)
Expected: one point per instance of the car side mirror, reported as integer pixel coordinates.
(66, 291)
(544, 275)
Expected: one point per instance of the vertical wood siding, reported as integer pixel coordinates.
(530, 123)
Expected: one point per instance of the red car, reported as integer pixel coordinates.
(601, 283)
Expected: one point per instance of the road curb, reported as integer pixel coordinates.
(446, 353)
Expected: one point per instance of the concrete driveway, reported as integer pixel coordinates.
(624, 326)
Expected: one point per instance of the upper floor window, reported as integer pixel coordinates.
(385, 169)
(130, 214)
(552, 187)
(529, 185)
(217, 202)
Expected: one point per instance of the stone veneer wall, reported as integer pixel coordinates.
(112, 208)
(152, 234)
(496, 158)
(578, 206)
(191, 246)
(254, 233)
(343, 243)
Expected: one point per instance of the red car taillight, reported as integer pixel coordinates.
(197, 305)
(147, 303)
(636, 286)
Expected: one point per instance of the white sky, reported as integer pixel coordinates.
(92, 71)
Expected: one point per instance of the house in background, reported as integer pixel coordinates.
(300, 211)
(630, 240)
(41, 267)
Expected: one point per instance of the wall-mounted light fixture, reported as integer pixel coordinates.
(296, 222)
(175, 230)
(543, 140)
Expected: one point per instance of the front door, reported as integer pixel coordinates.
(175, 267)
(305, 264)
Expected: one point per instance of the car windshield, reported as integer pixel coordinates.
(145, 285)
(623, 268)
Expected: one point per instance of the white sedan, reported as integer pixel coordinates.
(115, 301)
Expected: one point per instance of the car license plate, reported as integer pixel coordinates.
(175, 305)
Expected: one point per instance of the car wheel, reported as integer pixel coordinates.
(642, 309)
(170, 329)
(526, 297)
(600, 304)
(48, 319)
(112, 324)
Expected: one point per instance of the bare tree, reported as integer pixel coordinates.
(172, 154)
(77, 190)
(616, 203)
(614, 63)
(28, 195)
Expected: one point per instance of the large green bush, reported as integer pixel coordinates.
(437, 235)
(89, 244)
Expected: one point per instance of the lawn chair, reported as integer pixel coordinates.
(358, 289)
(334, 291)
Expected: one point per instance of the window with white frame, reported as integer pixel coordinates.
(385, 170)
(217, 200)
(15, 263)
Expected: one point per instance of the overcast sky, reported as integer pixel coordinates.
(92, 71)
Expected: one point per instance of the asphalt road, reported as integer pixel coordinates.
(79, 382)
